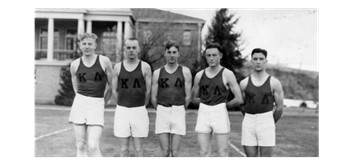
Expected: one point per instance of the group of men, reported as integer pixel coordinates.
(132, 85)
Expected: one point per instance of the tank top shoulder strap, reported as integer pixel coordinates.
(250, 82)
(203, 74)
(139, 66)
(221, 72)
(268, 82)
(122, 67)
(162, 71)
(81, 62)
(180, 68)
(97, 61)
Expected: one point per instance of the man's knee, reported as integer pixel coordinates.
(205, 152)
(165, 152)
(223, 152)
(81, 145)
(139, 152)
(124, 151)
(175, 152)
(93, 148)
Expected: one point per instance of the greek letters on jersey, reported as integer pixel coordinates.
(131, 87)
(91, 80)
(258, 99)
(171, 87)
(212, 90)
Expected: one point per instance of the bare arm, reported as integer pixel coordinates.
(73, 68)
(196, 89)
(188, 79)
(108, 72)
(148, 77)
(234, 87)
(115, 75)
(278, 95)
(155, 88)
(243, 85)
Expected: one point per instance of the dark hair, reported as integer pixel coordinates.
(170, 44)
(214, 45)
(259, 50)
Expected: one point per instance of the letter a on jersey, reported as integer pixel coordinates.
(178, 83)
(265, 99)
(137, 83)
(97, 77)
(217, 91)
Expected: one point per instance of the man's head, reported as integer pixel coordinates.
(131, 48)
(171, 52)
(259, 59)
(87, 43)
(213, 54)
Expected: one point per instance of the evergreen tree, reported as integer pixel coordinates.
(221, 32)
(66, 93)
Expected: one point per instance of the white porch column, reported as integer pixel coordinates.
(89, 26)
(50, 48)
(119, 36)
(80, 27)
(127, 30)
(199, 39)
(136, 29)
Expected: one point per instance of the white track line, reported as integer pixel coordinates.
(236, 149)
(52, 133)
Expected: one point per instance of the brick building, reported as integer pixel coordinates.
(56, 39)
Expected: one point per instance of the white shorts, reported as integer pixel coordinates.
(170, 120)
(131, 122)
(87, 110)
(258, 130)
(213, 119)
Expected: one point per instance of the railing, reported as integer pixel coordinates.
(62, 54)
(59, 54)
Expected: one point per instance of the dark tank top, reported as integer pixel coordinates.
(91, 80)
(131, 87)
(212, 90)
(258, 99)
(171, 88)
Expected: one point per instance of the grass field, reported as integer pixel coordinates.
(297, 135)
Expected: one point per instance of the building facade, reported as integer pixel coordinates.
(56, 45)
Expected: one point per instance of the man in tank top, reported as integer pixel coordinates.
(211, 88)
(90, 75)
(131, 89)
(261, 92)
(171, 94)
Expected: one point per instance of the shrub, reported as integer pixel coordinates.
(66, 93)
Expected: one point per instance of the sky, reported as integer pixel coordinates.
(289, 36)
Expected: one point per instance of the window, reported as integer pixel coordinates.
(70, 39)
(108, 43)
(147, 36)
(41, 53)
(70, 45)
(43, 39)
(187, 37)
